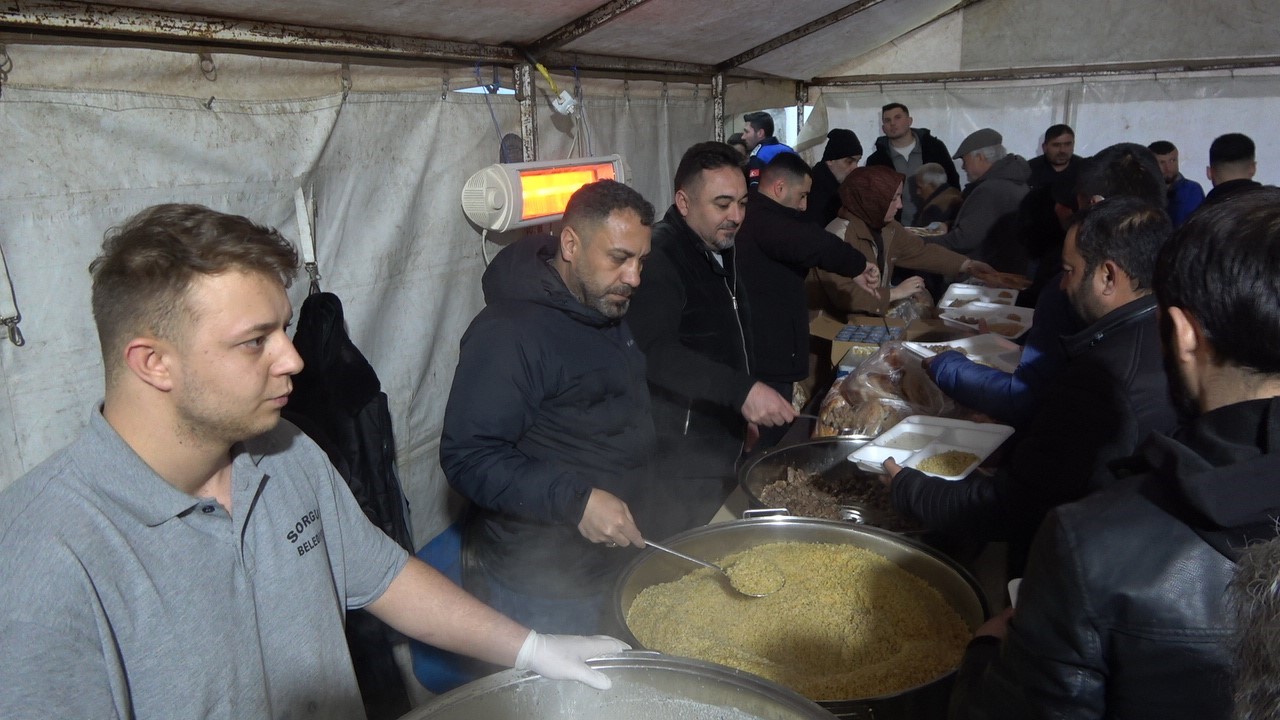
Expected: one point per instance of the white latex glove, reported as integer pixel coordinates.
(562, 657)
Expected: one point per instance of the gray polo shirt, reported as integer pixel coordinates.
(125, 597)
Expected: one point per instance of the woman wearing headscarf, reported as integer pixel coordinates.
(869, 198)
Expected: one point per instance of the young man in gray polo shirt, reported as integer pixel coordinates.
(190, 555)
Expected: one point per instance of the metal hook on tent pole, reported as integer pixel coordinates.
(9, 315)
(207, 68)
(15, 333)
(304, 206)
(6, 65)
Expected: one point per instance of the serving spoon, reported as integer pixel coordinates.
(751, 587)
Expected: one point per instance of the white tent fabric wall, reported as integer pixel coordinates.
(656, 121)
(94, 135)
(1188, 110)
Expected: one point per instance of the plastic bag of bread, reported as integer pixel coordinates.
(914, 307)
(885, 388)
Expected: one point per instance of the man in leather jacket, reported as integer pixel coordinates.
(1123, 611)
(690, 317)
(1109, 397)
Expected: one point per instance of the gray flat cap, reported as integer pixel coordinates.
(978, 139)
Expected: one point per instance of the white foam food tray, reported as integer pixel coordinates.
(986, 349)
(961, 294)
(921, 437)
(1004, 320)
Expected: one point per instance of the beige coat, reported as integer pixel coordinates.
(840, 297)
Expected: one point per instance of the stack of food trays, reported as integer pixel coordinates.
(959, 295)
(942, 447)
(990, 350)
(1003, 320)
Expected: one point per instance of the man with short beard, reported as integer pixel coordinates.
(548, 430)
(1124, 610)
(691, 320)
(1107, 398)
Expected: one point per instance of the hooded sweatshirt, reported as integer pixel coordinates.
(548, 402)
(1124, 609)
(989, 225)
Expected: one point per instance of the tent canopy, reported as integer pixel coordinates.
(819, 39)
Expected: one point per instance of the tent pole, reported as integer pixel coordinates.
(527, 96)
(717, 104)
(802, 99)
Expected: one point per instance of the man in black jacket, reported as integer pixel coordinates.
(1110, 395)
(1232, 165)
(1123, 611)
(839, 158)
(690, 318)
(776, 247)
(548, 429)
(905, 149)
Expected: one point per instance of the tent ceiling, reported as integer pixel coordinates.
(828, 40)
(744, 37)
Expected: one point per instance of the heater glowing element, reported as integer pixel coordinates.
(512, 195)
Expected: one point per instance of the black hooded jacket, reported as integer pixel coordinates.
(1124, 609)
(548, 402)
(776, 247)
(932, 150)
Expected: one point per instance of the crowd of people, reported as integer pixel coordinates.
(608, 390)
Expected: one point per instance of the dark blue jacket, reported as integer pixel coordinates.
(1013, 398)
(548, 402)
(761, 155)
(1185, 197)
(1110, 396)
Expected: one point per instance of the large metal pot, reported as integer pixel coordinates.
(957, 587)
(646, 686)
(827, 457)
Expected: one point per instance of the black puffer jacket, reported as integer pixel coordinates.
(932, 150)
(690, 318)
(1110, 396)
(776, 247)
(1123, 612)
(548, 402)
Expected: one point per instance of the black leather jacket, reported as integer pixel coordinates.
(690, 318)
(1109, 397)
(1123, 611)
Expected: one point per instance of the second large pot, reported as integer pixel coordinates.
(956, 586)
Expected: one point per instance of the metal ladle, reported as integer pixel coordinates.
(782, 580)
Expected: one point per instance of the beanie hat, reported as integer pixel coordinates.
(841, 143)
(868, 191)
